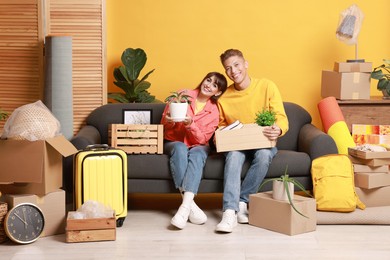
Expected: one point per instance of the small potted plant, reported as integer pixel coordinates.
(283, 189)
(382, 74)
(178, 104)
(265, 118)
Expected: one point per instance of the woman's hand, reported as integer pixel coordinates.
(272, 132)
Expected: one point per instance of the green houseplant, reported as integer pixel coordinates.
(178, 105)
(382, 74)
(265, 117)
(286, 180)
(126, 76)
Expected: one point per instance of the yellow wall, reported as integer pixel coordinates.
(289, 42)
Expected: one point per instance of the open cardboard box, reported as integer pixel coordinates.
(279, 216)
(33, 167)
(250, 136)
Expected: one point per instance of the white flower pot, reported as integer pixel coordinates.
(178, 111)
(279, 192)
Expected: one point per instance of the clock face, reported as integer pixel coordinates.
(24, 223)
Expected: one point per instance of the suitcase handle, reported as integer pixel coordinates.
(94, 147)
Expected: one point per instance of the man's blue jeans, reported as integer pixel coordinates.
(186, 164)
(234, 190)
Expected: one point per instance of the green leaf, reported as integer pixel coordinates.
(134, 60)
(383, 84)
(120, 97)
(147, 75)
(141, 86)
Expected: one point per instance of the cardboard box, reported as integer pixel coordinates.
(88, 230)
(370, 162)
(51, 204)
(279, 216)
(137, 139)
(372, 180)
(376, 197)
(33, 167)
(370, 169)
(250, 136)
(353, 67)
(348, 85)
(368, 154)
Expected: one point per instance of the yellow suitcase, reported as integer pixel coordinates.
(100, 174)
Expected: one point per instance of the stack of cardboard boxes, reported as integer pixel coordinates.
(32, 172)
(372, 177)
(348, 80)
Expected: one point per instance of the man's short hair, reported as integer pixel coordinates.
(229, 53)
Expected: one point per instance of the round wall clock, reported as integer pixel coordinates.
(24, 223)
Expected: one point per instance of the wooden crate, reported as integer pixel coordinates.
(250, 136)
(137, 139)
(88, 230)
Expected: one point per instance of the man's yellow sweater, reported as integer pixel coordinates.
(245, 104)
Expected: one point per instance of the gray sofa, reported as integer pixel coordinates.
(150, 173)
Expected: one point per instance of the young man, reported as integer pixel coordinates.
(242, 100)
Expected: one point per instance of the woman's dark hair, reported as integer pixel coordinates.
(221, 82)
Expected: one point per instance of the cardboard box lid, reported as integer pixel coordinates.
(23, 161)
(62, 145)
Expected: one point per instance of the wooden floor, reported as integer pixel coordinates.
(147, 234)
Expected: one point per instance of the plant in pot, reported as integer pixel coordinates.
(283, 189)
(265, 118)
(382, 74)
(126, 76)
(178, 105)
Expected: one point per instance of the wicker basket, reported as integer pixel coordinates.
(3, 212)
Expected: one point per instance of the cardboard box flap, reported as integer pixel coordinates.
(62, 145)
(9, 160)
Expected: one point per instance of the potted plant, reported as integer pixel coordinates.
(382, 74)
(265, 118)
(283, 189)
(178, 105)
(126, 76)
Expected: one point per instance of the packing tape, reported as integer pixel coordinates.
(356, 77)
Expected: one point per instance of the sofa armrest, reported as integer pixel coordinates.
(86, 136)
(315, 142)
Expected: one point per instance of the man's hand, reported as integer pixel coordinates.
(272, 132)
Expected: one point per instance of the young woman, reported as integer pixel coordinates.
(186, 143)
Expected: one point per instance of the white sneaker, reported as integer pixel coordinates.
(242, 215)
(197, 215)
(228, 222)
(181, 217)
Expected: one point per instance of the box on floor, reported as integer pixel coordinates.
(250, 136)
(376, 197)
(345, 85)
(33, 167)
(89, 230)
(372, 180)
(51, 204)
(266, 212)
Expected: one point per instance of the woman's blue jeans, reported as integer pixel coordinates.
(186, 164)
(234, 190)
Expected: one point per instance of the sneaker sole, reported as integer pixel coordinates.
(178, 225)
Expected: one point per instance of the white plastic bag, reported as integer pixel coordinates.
(349, 25)
(31, 122)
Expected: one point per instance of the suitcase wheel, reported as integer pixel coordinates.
(119, 222)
